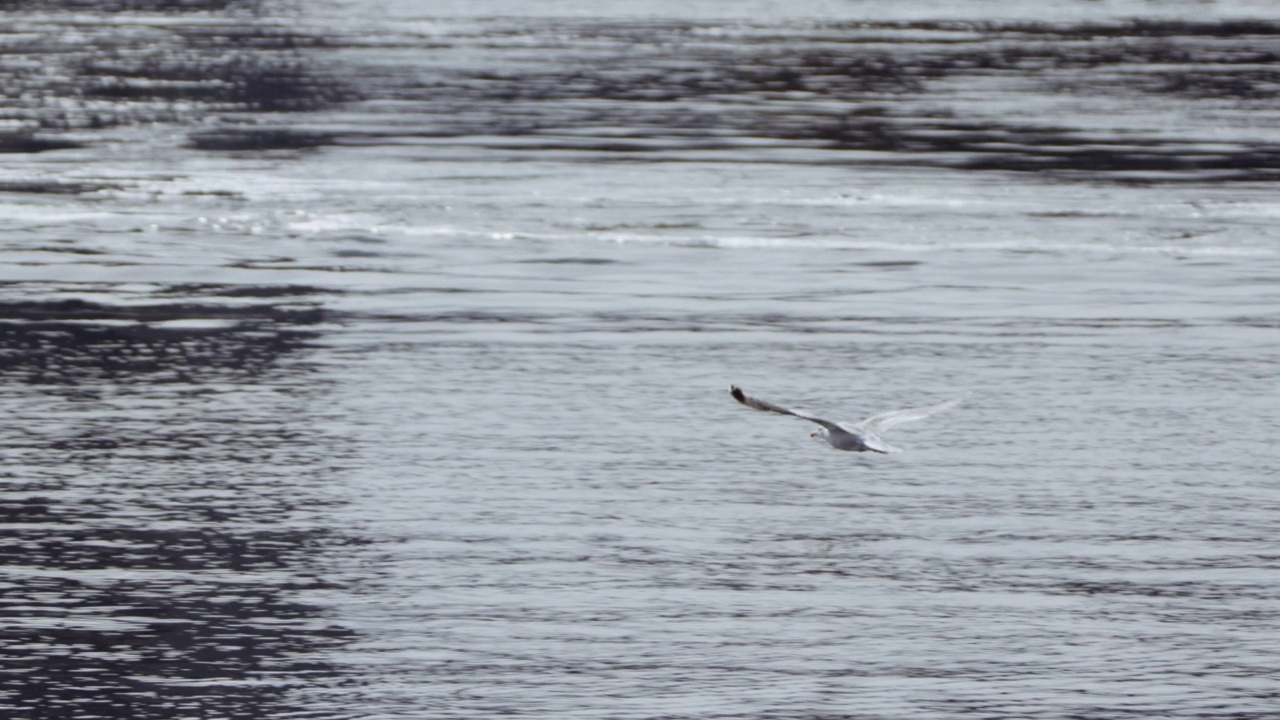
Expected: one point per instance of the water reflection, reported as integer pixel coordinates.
(162, 475)
(1066, 99)
(1062, 99)
(73, 73)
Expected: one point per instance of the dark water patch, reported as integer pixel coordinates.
(257, 291)
(890, 264)
(69, 250)
(63, 353)
(148, 623)
(231, 194)
(929, 93)
(71, 74)
(161, 482)
(1133, 28)
(1259, 321)
(1152, 162)
(55, 187)
(570, 261)
(354, 253)
(1255, 84)
(1167, 590)
(75, 310)
(258, 139)
(26, 142)
(768, 71)
(230, 72)
(463, 317)
(72, 342)
(131, 6)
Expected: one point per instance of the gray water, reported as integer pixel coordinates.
(371, 360)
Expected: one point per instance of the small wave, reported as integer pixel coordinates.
(747, 242)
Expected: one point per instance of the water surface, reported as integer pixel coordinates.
(375, 365)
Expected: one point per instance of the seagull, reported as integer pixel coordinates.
(859, 437)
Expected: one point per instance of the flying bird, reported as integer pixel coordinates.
(858, 437)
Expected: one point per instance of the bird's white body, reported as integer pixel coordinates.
(858, 437)
(843, 439)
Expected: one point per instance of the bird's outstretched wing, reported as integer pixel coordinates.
(879, 423)
(766, 406)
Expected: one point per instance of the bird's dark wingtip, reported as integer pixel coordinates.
(737, 394)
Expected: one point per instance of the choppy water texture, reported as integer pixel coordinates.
(370, 361)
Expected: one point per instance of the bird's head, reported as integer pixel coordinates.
(820, 433)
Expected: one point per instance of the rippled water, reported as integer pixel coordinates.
(374, 364)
